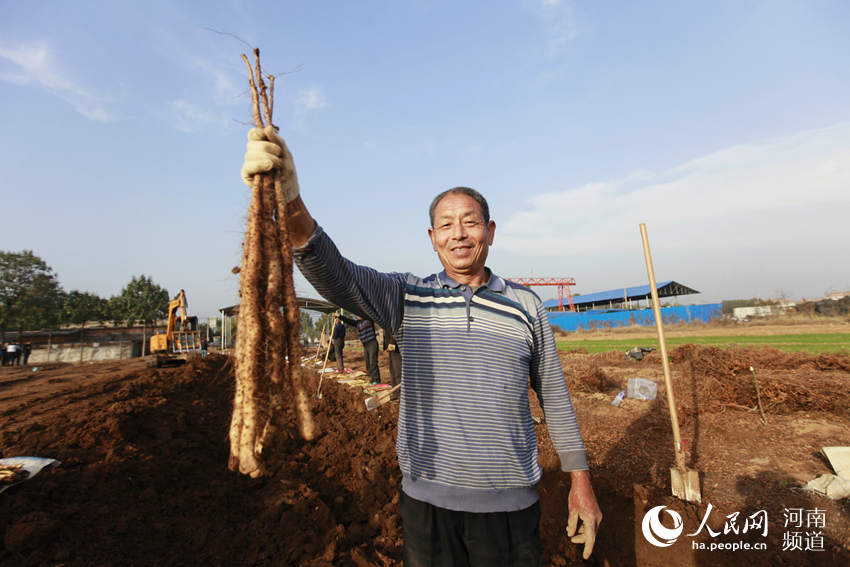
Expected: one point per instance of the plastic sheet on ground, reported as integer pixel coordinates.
(33, 466)
(829, 485)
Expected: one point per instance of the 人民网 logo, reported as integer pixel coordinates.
(655, 532)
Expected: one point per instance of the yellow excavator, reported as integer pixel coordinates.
(182, 338)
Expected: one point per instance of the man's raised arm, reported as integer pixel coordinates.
(264, 152)
(359, 289)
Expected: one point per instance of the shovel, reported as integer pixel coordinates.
(318, 346)
(322, 375)
(380, 398)
(684, 481)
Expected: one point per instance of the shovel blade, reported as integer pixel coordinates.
(685, 484)
(373, 402)
(382, 397)
(378, 399)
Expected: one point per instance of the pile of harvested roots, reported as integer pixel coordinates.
(268, 353)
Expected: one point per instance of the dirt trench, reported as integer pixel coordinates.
(143, 479)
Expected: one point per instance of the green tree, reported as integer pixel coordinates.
(307, 328)
(82, 306)
(324, 322)
(141, 301)
(30, 294)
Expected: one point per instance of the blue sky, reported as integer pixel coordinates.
(725, 126)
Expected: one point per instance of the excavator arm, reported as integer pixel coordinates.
(179, 338)
(180, 304)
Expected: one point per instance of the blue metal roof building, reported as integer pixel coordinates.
(622, 297)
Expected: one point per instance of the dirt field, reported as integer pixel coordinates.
(143, 479)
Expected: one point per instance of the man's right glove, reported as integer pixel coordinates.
(266, 151)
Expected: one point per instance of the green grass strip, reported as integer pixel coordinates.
(809, 343)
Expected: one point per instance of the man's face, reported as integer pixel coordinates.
(461, 238)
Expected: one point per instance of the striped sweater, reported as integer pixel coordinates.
(466, 440)
(366, 331)
(365, 328)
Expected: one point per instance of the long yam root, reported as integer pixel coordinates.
(267, 342)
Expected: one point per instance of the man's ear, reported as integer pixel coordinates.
(491, 229)
(431, 236)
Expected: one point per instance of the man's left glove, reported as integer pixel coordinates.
(266, 151)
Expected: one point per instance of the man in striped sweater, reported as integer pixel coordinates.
(471, 343)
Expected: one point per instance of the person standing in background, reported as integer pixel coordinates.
(338, 341)
(366, 332)
(391, 348)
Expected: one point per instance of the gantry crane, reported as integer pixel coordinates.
(563, 288)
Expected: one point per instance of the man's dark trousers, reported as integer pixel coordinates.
(437, 537)
(395, 366)
(370, 352)
(339, 344)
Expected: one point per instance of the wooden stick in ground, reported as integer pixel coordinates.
(321, 340)
(324, 365)
(758, 396)
(684, 481)
(668, 383)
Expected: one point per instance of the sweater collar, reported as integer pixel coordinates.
(495, 283)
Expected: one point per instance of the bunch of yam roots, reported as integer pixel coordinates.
(10, 474)
(268, 353)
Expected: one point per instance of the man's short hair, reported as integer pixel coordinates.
(469, 192)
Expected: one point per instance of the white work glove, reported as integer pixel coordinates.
(266, 151)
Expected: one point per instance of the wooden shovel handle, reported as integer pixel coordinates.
(327, 354)
(656, 308)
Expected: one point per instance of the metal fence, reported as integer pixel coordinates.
(609, 318)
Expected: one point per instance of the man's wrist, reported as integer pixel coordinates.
(299, 222)
(580, 477)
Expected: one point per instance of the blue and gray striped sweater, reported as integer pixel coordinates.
(466, 440)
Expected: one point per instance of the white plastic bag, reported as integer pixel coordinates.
(642, 389)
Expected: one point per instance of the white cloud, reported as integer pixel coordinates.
(36, 65)
(14, 78)
(309, 100)
(773, 179)
(560, 24)
(734, 214)
(225, 89)
(187, 117)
